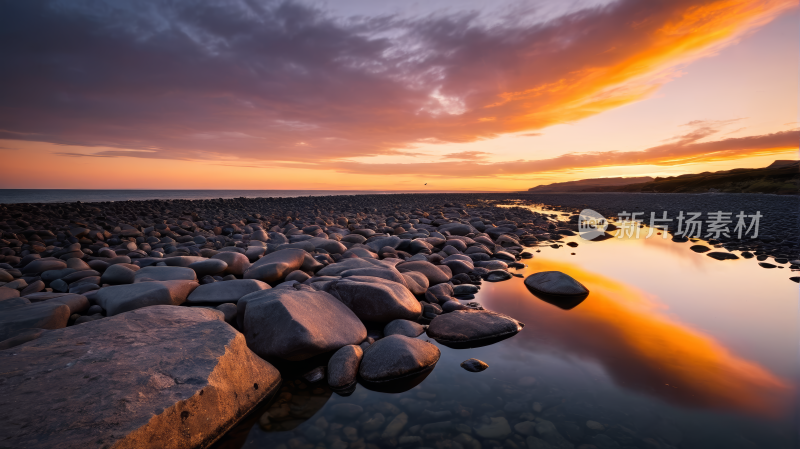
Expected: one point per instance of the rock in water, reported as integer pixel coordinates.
(343, 368)
(403, 327)
(397, 363)
(472, 328)
(124, 382)
(722, 256)
(474, 365)
(555, 283)
(296, 325)
(699, 248)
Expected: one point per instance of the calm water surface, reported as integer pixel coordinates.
(670, 349)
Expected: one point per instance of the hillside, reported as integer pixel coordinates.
(781, 177)
(588, 185)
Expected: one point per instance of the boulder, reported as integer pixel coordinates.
(18, 317)
(209, 267)
(273, 267)
(472, 328)
(165, 274)
(403, 327)
(398, 360)
(222, 292)
(237, 262)
(719, 255)
(343, 367)
(124, 382)
(416, 282)
(375, 299)
(296, 325)
(123, 298)
(118, 274)
(8, 293)
(434, 274)
(41, 265)
(556, 284)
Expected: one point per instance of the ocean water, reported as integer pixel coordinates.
(8, 196)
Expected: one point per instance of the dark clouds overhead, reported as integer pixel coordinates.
(269, 80)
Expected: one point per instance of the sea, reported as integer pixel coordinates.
(8, 196)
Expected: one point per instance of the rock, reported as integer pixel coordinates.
(375, 299)
(548, 432)
(722, 256)
(474, 365)
(209, 267)
(274, 267)
(33, 287)
(298, 276)
(594, 425)
(397, 358)
(224, 292)
(537, 443)
(347, 411)
(497, 276)
(403, 327)
(123, 298)
(5, 276)
(118, 274)
(229, 312)
(41, 265)
(527, 428)
(8, 293)
(496, 429)
(429, 270)
(416, 282)
(165, 274)
(315, 375)
(22, 317)
(555, 284)
(76, 303)
(23, 336)
(296, 325)
(472, 328)
(395, 426)
(343, 367)
(699, 248)
(237, 262)
(174, 396)
(766, 265)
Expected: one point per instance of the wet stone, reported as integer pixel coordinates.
(474, 365)
(472, 328)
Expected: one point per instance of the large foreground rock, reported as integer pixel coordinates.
(397, 357)
(159, 377)
(472, 328)
(375, 299)
(123, 298)
(222, 292)
(296, 325)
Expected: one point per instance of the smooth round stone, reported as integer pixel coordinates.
(497, 276)
(555, 283)
(208, 267)
(403, 327)
(118, 274)
(397, 357)
(699, 248)
(343, 367)
(474, 365)
(472, 328)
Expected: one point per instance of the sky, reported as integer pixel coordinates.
(391, 95)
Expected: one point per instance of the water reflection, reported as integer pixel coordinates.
(641, 347)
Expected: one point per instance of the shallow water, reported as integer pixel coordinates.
(670, 349)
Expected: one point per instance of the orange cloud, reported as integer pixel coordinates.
(244, 85)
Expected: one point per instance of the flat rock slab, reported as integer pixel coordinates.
(555, 283)
(159, 377)
(472, 328)
(117, 299)
(226, 291)
(296, 325)
(395, 359)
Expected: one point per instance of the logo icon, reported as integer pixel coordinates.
(591, 224)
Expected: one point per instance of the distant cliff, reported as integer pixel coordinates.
(781, 177)
(589, 185)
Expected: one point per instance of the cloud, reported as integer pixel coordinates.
(681, 151)
(468, 155)
(529, 135)
(253, 80)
